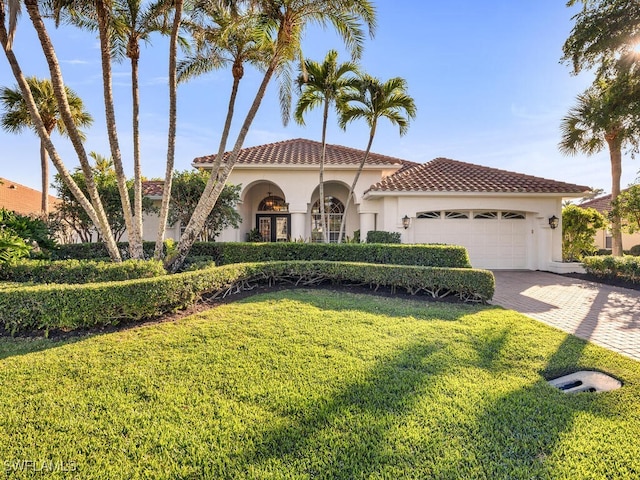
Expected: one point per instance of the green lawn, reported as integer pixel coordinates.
(317, 384)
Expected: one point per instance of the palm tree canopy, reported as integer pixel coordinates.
(608, 109)
(224, 38)
(16, 115)
(374, 100)
(324, 82)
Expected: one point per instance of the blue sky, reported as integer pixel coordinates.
(486, 78)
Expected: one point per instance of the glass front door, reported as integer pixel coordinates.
(273, 228)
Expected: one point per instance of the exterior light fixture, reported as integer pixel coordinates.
(406, 221)
(553, 222)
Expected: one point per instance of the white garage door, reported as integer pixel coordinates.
(494, 239)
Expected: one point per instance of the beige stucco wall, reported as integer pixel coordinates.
(628, 239)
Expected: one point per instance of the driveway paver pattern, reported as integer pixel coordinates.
(605, 315)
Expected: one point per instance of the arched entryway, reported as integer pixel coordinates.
(273, 220)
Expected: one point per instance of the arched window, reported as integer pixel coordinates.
(334, 210)
(273, 203)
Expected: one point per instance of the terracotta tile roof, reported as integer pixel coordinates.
(152, 188)
(601, 204)
(300, 151)
(445, 175)
(22, 199)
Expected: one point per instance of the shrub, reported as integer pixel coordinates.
(80, 271)
(98, 250)
(579, 225)
(379, 236)
(73, 306)
(635, 251)
(423, 255)
(627, 267)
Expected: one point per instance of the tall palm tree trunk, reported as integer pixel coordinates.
(615, 155)
(323, 219)
(206, 203)
(171, 141)
(94, 208)
(44, 166)
(343, 223)
(103, 28)
(137, 168)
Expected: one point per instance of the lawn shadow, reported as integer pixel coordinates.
(345, 436)
(16, 346)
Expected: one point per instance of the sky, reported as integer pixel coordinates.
(486, 78)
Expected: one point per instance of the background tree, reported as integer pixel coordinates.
(186, 190)
(16, 118)
(604, 115)
(72, 213)
(323, 84)
(372, 101)
(627, 208)
(579, 225)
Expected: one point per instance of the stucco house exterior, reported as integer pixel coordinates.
(603, 237)
(501, 217)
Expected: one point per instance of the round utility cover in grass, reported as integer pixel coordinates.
(585, 381)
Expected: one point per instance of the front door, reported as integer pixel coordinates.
(273, 227)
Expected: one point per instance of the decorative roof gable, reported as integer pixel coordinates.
(445, 175)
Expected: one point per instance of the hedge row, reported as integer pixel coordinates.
(56, 306)
(391, 254)
(236, 252)
(96, 251)
(79, 271)
(627, 267)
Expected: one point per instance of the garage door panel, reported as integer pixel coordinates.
(497, 243)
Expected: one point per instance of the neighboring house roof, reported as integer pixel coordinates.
(601, 204)
(152, 188)
(22, 199)
(445, 175)
(300, 151)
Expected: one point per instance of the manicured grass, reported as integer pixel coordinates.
(315, 384)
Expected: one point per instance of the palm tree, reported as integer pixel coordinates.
(92, 206)
(233, 40)
(372, 101)
(603, 115)
(323, 84)
(16, 117)
(283, 21)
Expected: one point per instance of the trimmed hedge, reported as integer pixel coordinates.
(80, 271)
(627, 267)
(380, 236)
(423, 255)
(96, 251)
(225, 253)
(54, 306)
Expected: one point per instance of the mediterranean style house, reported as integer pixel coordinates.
(506, 220)
(22, 199)
(603, 237)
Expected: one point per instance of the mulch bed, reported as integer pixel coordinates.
(613, 281)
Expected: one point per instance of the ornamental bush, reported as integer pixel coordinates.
(403, 254)
(379, 236)
(626, 267)
(61, 306)
(79, 271)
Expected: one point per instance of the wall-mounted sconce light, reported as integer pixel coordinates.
(553, 222)
(406, 221)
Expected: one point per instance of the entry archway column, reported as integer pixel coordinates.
(367, 223)
(298, 225)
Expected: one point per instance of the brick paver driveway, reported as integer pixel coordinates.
(607, 316)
